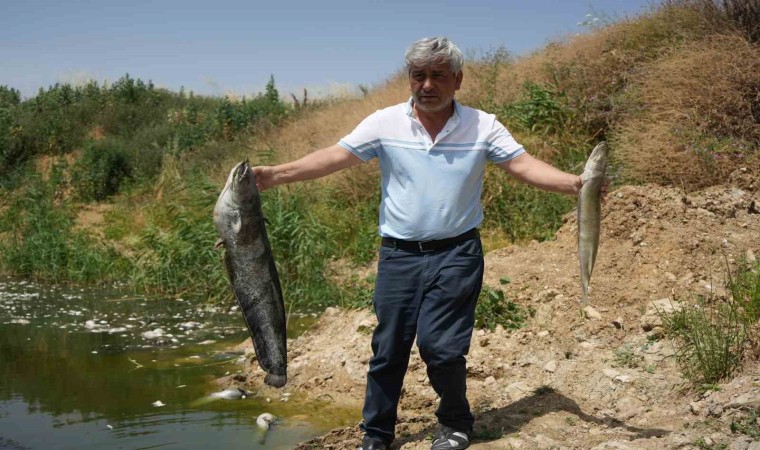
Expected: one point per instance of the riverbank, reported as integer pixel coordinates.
(565, 381)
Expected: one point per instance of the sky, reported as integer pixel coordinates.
(220, 47)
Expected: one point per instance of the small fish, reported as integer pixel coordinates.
(265, 420)
(590, 213)
(231, 394)
(250, 266)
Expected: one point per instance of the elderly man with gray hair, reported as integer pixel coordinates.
(432, 153)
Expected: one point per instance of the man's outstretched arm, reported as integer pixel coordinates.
(314, 165)
(537, 173)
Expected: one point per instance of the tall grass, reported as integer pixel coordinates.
(40, 242)
(709, 340)
(302, 246)
(711, 336)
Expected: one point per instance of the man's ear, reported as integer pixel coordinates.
(460, 75)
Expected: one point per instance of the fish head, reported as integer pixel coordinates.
(242, 183)
(596, 165)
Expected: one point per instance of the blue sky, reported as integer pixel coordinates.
(216, 47)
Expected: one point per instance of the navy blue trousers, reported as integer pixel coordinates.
(431, 296)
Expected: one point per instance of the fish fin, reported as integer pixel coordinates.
(219, 243)
(277, 381)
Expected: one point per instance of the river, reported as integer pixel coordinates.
(86, 369)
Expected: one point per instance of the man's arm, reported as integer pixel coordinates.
(314, 165)
(542, 175)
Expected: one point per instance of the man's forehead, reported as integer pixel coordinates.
(438, 67)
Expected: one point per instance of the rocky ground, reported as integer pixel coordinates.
(605, 379)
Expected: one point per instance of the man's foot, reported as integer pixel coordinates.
(448, 438)
(369, 443)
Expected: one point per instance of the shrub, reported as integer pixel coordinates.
(541, 110)
(101, 170)
(494, 309)
(709, 339)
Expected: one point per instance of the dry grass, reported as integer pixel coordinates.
(593, 68)
(695, 115)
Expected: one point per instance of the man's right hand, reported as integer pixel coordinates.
(314, 165)
(264, 177)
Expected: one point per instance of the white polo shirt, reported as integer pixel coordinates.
(431, 190)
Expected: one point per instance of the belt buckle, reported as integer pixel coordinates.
(422, 248)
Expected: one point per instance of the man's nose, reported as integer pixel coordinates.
(428, 83)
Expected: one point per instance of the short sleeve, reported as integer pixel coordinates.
(364, 141)
(502, 146)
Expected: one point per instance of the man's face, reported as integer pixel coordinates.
(433, 86)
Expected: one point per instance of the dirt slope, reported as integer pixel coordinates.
(567, 381)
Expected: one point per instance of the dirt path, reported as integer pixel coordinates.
(564, 380)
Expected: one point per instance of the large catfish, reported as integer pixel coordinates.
(250, 266)
(590, 213)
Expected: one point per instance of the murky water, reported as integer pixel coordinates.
(83, 369)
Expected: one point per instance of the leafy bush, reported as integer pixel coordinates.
(494, 309)
(101, 170)
(541, 110)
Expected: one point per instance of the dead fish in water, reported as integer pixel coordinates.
(227, 394)
(265, 420)
(590, 213)
(250, 266)
(231, 394)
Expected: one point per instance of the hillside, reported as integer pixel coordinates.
(566, 381)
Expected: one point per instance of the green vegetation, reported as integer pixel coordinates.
(40, 242)
(626, 357)
(711, 336)
(747, 424)
(494, 309)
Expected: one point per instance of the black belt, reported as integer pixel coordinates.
(428, 246)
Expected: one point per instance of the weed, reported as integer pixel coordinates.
(747, 424)
(709, 387)
(744, 286)
(625, 357)
(494, 309)
(709, 339)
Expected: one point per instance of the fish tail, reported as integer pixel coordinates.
(277, 381)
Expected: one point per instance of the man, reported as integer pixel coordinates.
(432, 153)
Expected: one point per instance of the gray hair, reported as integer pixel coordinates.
(434, 50)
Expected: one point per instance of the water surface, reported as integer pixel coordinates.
(83, 368)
